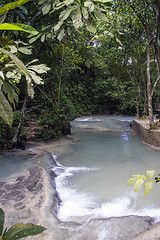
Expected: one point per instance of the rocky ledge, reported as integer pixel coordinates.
(152, 137)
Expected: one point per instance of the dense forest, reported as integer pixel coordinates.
(63, 59)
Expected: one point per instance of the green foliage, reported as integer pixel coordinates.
(18, 230)
(80, 12)
(147, 180)
(52, 124)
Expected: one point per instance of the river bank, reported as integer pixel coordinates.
(151, 137)
(37, 201)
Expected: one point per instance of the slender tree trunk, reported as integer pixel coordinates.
(138, 101)
(143, 83)
(60, 80)
(16, 138)
(150, 108)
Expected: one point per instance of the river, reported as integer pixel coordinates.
(94, 168)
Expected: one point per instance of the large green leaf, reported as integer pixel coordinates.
(5, 110)
(18, 27)
(21, 230)
(1, 221)
(12, 5)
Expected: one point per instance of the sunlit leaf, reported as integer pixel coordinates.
(57, 26)
(1, 75)
(61, 35)
(150, 173)
(131, 181)
(67, 2)
(147, 187)
(43, 37)
(36, 78)
(65, 14)
(138, 184)
(33, 61)
(25, 50)
(89, 5)
(35, 38)
(46, 8)
(41, 68)
(13, 49)
(41, 1)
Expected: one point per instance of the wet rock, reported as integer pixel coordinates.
(11, 195)
(19, 205)
(1, 184)
(1, 192)
(20, 179)
(120, 228)
(24, 214)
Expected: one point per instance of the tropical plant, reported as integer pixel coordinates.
(12, 68)
(147, 180)
(19, 230)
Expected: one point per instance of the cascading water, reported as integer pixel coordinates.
(93, 171)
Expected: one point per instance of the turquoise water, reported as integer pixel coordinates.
(13, 162)
(96, 166)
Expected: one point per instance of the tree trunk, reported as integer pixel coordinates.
(16, 138)
(150, 108)
(138, 101)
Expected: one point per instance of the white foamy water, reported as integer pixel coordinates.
(75, 203)
(93, 181)
(88, 119)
